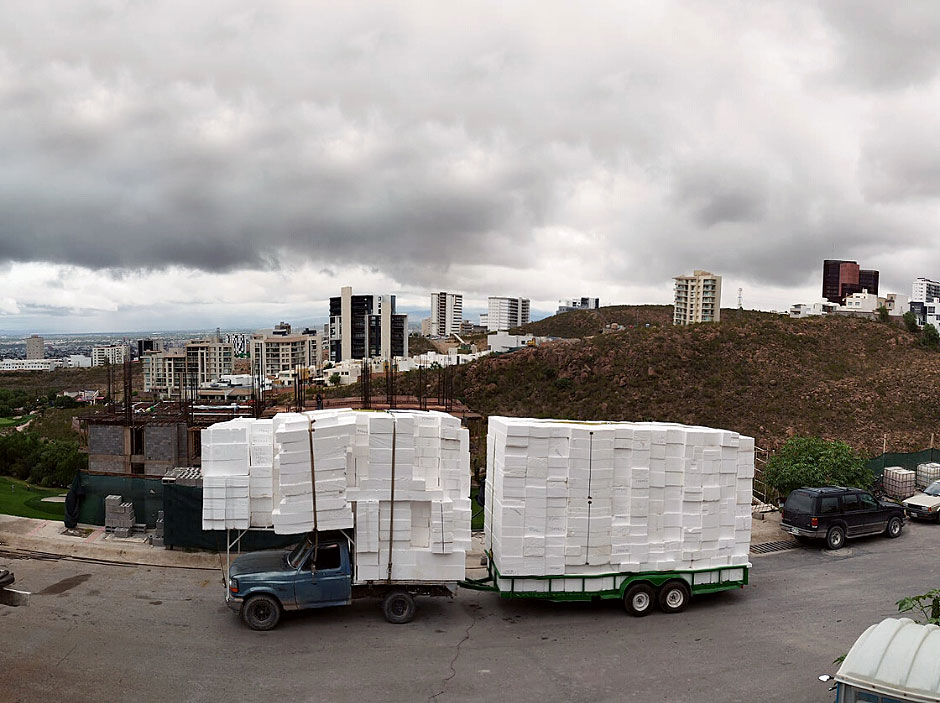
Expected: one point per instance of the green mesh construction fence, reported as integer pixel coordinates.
(182, 512)
(908, 461)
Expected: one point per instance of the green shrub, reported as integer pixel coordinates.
(811, 461)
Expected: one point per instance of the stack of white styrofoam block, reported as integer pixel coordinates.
(401, 478)
(927, 474)
(586, 498)
(225, 471)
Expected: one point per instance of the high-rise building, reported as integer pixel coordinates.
(207, 360)
(280, 350)
(843, 278)
(446, 314)
(147, 345)
(578, 304)
(924, 289)
(506, 313)
(165, 372)
(697, 298)
(365, 327)
(35, 347)
(112, 354)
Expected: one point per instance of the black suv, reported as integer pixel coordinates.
(834, 514)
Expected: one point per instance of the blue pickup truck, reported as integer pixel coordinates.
(317, 573)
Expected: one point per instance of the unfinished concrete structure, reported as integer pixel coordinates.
(148, 449)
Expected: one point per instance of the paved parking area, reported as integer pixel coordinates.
(103, 632)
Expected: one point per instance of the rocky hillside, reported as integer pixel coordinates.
(757, 373)
(586, 323)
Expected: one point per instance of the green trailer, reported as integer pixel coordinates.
(638, 590)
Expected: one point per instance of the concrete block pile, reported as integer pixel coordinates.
(400, 478)
(118, 516)
(587, 498)
(157, 539)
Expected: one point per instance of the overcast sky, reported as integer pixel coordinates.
(181, 164)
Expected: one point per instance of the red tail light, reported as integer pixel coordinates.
(814, 522)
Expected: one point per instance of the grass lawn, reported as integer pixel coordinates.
(476, 522)
(13, 422)
(16, 500)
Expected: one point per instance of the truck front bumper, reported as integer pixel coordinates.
(232, 602)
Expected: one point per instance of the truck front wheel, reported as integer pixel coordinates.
(398, 607)
(261, 612)
(638, 599)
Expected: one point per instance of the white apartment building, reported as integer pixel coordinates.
(278, 350)
(110, 354)
(446, 314)
(208, 360)
(164, 372)
(506, 313)
(31, 364)
(35, 347)
(697, 298)
(924, 289)
(77, 361)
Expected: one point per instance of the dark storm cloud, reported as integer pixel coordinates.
(414, 139)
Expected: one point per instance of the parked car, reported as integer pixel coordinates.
(925, 505)
(834, 514)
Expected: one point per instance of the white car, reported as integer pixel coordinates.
(925, 505)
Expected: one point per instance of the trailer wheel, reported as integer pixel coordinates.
(399, 607)
(674, 596)
(261, 612)
(638, 599)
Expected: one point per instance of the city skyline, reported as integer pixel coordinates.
(552, 149)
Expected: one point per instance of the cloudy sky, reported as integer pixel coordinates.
(181, 164)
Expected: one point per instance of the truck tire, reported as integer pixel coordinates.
(6, 578)
(261, 612)
(895, 525)
(399, 607)
(674, 596)
(835, 538)
(638, 599)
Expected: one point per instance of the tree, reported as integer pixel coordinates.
(334, 379)
(883, 314)
(926, 605)
(931, 337)
(910, 321)
(812, 461)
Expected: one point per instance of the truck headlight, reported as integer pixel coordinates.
(233, 585)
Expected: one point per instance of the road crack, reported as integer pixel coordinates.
(453, 662)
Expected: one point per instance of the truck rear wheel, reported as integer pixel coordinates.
(674, 596)
(261, 612)
(399, 607)
(638, 599)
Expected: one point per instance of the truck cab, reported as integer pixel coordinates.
(316, 573)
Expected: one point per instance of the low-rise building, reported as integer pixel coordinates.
(821, 308)
(570, 304)
(897, 304)
(31, 364)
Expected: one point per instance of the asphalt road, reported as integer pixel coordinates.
(105, 633)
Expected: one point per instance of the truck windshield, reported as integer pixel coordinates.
(297, 553)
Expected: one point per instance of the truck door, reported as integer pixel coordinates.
(325, 580)
(875, 517)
